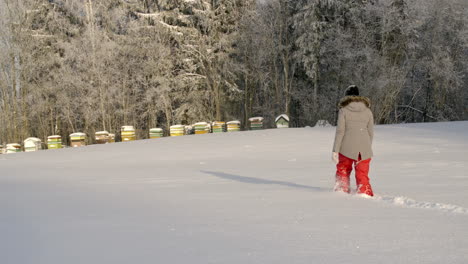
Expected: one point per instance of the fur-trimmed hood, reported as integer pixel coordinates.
(355, 103)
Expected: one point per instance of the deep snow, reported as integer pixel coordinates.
(242, 197)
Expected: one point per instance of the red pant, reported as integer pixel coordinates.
(361, 168)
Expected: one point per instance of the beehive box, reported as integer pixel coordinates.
(219, 127)
(282, 121)
(32, 144)
(111, 138)
(256, 123)
(156, 133)
(13, 148)
(54, 142)
(201, 128)
(1, 149)
(323, 123)
(102, 137)
(78, 139)
(233, 126)
(128, 133)
(177, 130)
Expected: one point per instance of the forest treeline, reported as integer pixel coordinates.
(89, 65)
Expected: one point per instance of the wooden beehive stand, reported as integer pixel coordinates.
(54, 142)
(78, 139)
(256, 123)
(156, 133)
(128, 133)
(102, 137)
(32, 144)
(233, 126)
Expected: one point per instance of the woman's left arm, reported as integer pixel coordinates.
(340, 131)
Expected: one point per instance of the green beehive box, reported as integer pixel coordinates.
(256, 123)
(13, 148)
(54, 142)
(219, 127)
(282, 121)
(156, 133)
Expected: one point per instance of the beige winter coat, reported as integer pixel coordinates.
(355, 128)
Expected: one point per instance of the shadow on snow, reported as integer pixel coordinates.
(252, 180)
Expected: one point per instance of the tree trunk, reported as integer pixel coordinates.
(287, 107)
(217, 95)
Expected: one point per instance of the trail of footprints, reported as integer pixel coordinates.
(411, 203)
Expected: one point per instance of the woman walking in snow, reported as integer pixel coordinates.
(353, 142)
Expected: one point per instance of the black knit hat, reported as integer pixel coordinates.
(352, 90)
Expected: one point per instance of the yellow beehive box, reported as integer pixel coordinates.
(233, 126)
(128, 133)
(54, 142)
(177, 130)
(32, 144)
(78, 139)
(201, 128)
(111, 138)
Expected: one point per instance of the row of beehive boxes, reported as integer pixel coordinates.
(76, 140)
(30, 144)
(256, 123)
(53, 142)
(128, 134)
(205, 128)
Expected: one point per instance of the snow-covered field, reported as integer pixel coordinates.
(245, 197)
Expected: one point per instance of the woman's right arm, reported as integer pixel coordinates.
(370, 127)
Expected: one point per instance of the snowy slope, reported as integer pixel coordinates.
(246, 197)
